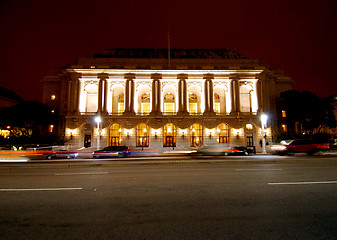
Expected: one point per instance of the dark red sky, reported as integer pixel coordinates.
(297, 36)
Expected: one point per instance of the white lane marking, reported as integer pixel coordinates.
(303, 183)
(84, 173)
(243, 169)
(37, 189)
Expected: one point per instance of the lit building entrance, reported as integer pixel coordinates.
(169, 135)
(115, 135)
(196, 135)
(142, 138)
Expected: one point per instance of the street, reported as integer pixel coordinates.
(176, 200)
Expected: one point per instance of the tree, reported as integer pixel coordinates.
(28, 121)
(311, 112)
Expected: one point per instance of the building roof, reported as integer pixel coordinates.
(174, 53)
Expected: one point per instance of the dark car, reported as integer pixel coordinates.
(112, 151)
(290, 147)
(241, 150)
(62, 154)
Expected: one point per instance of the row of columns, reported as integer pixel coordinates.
(74, 92)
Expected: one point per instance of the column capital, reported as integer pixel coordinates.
(182, 76)
(156, 76)
(103, 76)
(208, 76)
(234, 77)
(129, 76)
(75, 76)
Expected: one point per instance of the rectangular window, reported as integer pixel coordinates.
(92, 102)
(145, 108)
(120, 107)
(284, 114)
(193, 108)
(245, 102)
(169, 108)
(217, 107)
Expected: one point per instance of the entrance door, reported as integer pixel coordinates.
(114, 141)
(250, 141)
(87, 140)
(169, 141)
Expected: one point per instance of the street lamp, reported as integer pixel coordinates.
(98, 121)
(264, 118)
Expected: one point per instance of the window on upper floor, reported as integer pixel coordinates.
(284, 113)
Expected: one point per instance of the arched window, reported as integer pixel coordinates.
(196, 135)
(115, 135)
(121, 103)
(223, 133)
(169, 107)
(193, 103)
(145, 103)
(216, 103)
(142, 135)
(169, 135)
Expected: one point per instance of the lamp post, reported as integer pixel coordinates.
(98, 121)
(264, 118)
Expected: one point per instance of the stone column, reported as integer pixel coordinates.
(129, 93)
(103, 91)
(235, 92)
(74, 92)
(156, 93)
(182, 94)
(206, 89)
(259, 95)
(209, 106)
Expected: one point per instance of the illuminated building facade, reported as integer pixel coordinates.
(148, 100)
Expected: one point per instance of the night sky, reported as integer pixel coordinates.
(297, 36)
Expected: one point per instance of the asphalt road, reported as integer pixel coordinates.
(169, 200)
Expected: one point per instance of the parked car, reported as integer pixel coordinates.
(290, 147)
(112, 151)
(62, 154)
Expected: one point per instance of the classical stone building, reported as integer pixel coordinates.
(159, 100)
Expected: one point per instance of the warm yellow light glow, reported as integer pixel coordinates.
(128, 131)
(70, 131)
(183, 131)
(5, 133)
(249, 126)
(284, 127)
(210, 131)
(51, 128)
(155, 131)
(52, 97)
(237, 132)
(284, 113)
